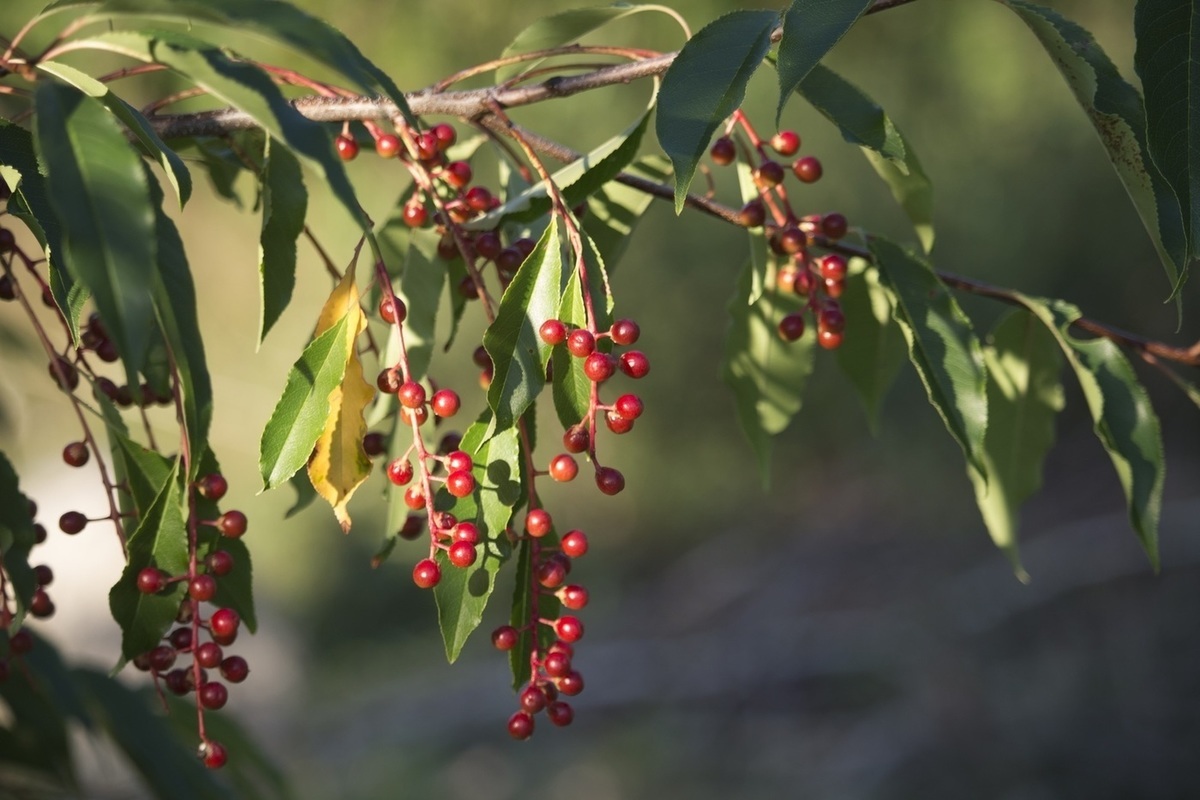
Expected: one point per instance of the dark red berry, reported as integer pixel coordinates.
(208, 655)
(599, 367)
(552, 572)
(387, 145)
(346, 147)
(634, 364)
(538, 522)
(414, 215)
(557, 665)
(41, 606)
(427, 573)
(569, 629)
(481, 357)
(457, 174)
(629, 406)
(807, 169)
(427, 146)
(181, 639)
(409, 415)
(447, 248)
(461, 483)
(76, 454)
(560, 713)
(64, 373)
(786, 143)
(374, 444)
(389, 380)
(833, 267)
(177, 681)
(219, 563)
(792, 240)
(414, 497)
(400, 471)
(722, 151)
(232, 524)
(509, 260)
(791, 327)
(581, 343)
(520, 725)
(161, 658)
(213, 754)
(532, 699)
(752, 215)
(616, 423)
(609, 480)
(213, 695)
(768, 174)
(445, 403)
(224, 623)
(43, 575)
(412, 526)
(72, 522)
(576, 439)
(212, 487)
(478, 198)
(458, 460)
(834, 288)
(831, 319)
(392, 309)
(466, 532)
(834, 225)
(574, 544)
(151, 581)
(625, 332)
(202, 587)
(411, 394)
(830, 340)
(563, 468)
(8, 287)
(571, 683)
(445, 135)
(505, 637)
(235, 669)
(553, 332)
(573, 597)
(488, 245)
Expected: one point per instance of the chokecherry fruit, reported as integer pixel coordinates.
(573, 597)
(505, 637)
(629, 406)
(76, 454)
(563, 468)
(599, 367)
(224, 623)
(232, 524)
(520, 725)
(151, 581)
(574, 544)
(411, 394)
(202, 587)
(722, 151)
(625, 332)
(219, 562)
(581, 343)
(212, 487)
(462, 554)
(414, 497)
(213, 695)
(634, 364)
(445, 403)
(460, 483)
(791, 327)
(833, 267)
(72, 522)
(532, 699)
(538, 522)
(208, 655)
(768, 174)
(346, 147)
(576, 438)
(213, 754)
(786, 143)
(374, 444)
(387, 145)
(752, 215)
(234, 669)
(392, 310)
(569, 629)
(807, 169)
(466, 532)
(560, 713)
(834, 225)
(553, 332)
(400, 471)
(609, 480)
(427, 573)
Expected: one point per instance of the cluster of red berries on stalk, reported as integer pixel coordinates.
(818, 278)
(40, 605)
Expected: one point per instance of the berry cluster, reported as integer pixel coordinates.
(818, 278)
(40, 606)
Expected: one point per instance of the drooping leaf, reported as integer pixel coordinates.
(571, 387)
(463, 593)
(529, 604)
(339, 465)
(759, 256)
(705, 84)
(1115, 109)
(1125, 421)
(160, 541)
(615, 210)
(17, 538)
(519, 355)
(96, 180)
(767, 373)
(137, 124)
(145, 471)
(284, 204)
(810, 30)
(1168, 62)
(873, 351)
(299, 417)
(862, 122)
(941, 346)
(1024, 395)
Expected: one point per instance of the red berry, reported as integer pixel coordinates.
(213, 695)
(520, 725)
(488, 246)
(346, 147)
(72, 522)
(552, 572)
(392, 310)
(414, 497)
(161, 658)
(509, 260)
(445, 403)
(427, 573)
(457, 460)
(389, 380)
(428, 147)
(387, 145)
(202, 587)
(76, 454)
(768, 174)
(833, 267)
(625, 332)
(752, 215)
(834, 288)
(505, 637)
(213, 754)
(560, 713)
(43, 575)
(235, 669)
(831, 319)
(563, 468)
(722, 151)
(151, 581)
(830, 340)
(524, 246)
(466, 532)
(419, 414)
(834, 226)
(599, 367)
(457, 174)
(553, 332)
(574, 544)
(413, 524)
(576, 439)
(232, 524)
(538, 522)
(208, 655)
(478, 198)
(792, 240)
(807, 169)
(581, 343)
(181, 639)
(609, 480)
(219, 563)
(177, 681)
(411, 394)
(532, 699)
(462, 554)
(461, 483)
(616, 423)
(569, 629)
(634, 364)
(400, 471)
(557, 665)
(445, 135)
(481, 357)
(212, 487)
(374, 444)
(573, 597)
(224, 623)
(629, 406)
(791, 327)
(571, 683)
(786, 143)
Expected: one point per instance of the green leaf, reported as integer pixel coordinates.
(1024, 395)
(235, 590)
(527, 604)
(871, 356)
(518, 353)
(571, 387)
(462, 594)
(159, 541)
(145, 471)
(279, 22)
(1124, 420)
(422, 279)
(941, 346)
(759, 255)
(305, 494)
(17, 538)
(705, 84)
(299, 417)
(1115, 109)
(1168, 62)
(862, 122)
(767, 373)
(33, 738)
(95, 180)
(154, 147)
(563, 28)
(810, 30)
(615, 210)
(284, 204)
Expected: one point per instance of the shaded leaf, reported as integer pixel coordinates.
(941, 346)
(284, 204)
(305, 494)
(422, 279)
(759, 256)
(614, 211)
(571, 388)
(705, 84)
(810, 30)
(529, 604)
(235, 590)
(1024, 395)
(873, 352)
(17, 538)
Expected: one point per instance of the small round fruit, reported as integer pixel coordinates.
(791, 327)
(520, 725)
(792, 240)
(202, 588)
(457, 174)
(76, 454)
(387, 145)
(752, 215)
(831, 319)
(599, 367)
(625, 332)
(461, 483)
(392, 310)
(557, 665)
(462, 554)
(551, 573)
(569, 629)
(833, 267)
(400, 471)
(347, 148)
(830, 340)
(151, 581)
(234, 669)
(445, 403)
(538, 522)
(181, 639)
(41, 606)
(571, 683)
(213, 754)
(445, 135)
(768, 174)
(629, 406)
(427, 573)
(213, 695)
(560, 713)
(576, 438)
(208, 655)
(374, 444)
(43, 575)
(553, 332)
(574, 544)
(219, 563)
(722, 151)
(420, 415)
(786, 143)
(581, 343)
(478, 198)
(72, 522)
(212, 487)
(414, 497)
(232, 524)
(505, 637)
(466, 532)
(488, 245)
(411, 394)
(807, 169)
(834, 225)
(563, 468)
(634, 364)
(609, 480)
(427, 146)
(573, 597)
(224, 623)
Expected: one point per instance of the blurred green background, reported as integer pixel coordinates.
(850, 633)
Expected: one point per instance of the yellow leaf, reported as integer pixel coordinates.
(339, 464)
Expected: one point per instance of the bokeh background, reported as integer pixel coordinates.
(848, 633)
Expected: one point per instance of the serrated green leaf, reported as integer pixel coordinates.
(1124, 420)
(767, 373)
(1024, 395)
(17, 538)
(529, 604)
(173, 166)
(160, 540)
(463, 593)
(284, 205)
(759, 255)
(299, 417)
(810, 30)
(422, 279)
(1168, 62)
(1116, 111)
(615, 210)
(519, 355)
(144, 471)
(235, 590)
(873, 352)
(862, 122)
(941, 346)
(96, 180)
(571, 388)
(705, 84)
